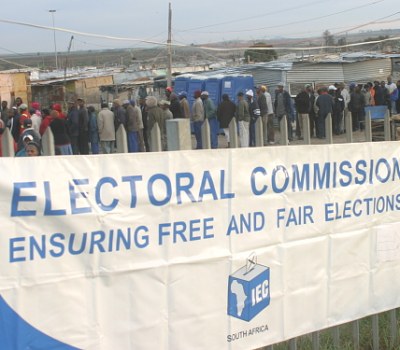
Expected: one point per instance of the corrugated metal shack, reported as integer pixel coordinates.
(322, 70)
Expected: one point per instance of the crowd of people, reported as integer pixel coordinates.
(82, 130)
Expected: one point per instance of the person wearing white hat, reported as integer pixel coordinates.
(255, 113)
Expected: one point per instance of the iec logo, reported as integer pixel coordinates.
(248, 290)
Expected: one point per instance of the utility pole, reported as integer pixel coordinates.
(54, 37)
(169, 48)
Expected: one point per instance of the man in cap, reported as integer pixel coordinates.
(210, 115)
(255, 113)
(243, 115)
(197, 117)
(283, 108)
(105, 124)
(24, 114)
(28, 130)
(185, 108)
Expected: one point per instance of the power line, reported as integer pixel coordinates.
(296, 22)
(253, 17)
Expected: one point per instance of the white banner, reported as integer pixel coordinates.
(231, 249)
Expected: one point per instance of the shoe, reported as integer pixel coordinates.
(271, 142)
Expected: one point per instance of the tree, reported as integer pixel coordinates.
(329, 40)
(261, 55)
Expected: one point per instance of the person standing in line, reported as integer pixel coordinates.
(4, 112)
(356, 107)
(262, 103)
(83, 138)
(198, 118)
(139, 122)
(105, 124)
(243, 116)
(393, 95)
(302, 102)
(143, 109)
(379, 95)
(73, 126)
(93, 130)
(337, 110)
(154, 115)
(270, 116)
(131, 127)
(28, 130)
(210, 115)
(24, 114)
(184, 104)
(324, 103)
(283, 107)
(167, 115)
(255, 113)
(175, 106)
(225, 113)
(62, 141)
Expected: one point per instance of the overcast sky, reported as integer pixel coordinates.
(197, 22)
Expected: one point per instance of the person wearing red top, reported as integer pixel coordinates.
(47, 119)
(24, 114)
(57, 107)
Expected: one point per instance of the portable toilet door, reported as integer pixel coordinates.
(181, 84)
(233, 84)
(213, 87)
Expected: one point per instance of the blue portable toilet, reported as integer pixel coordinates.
(181, 83)
(232, 84)
(213, 87)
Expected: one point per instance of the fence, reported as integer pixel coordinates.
(178, 134)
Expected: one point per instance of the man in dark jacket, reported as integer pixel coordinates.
(324, 103)
(283, 107)
(175, 106)
(83, 127)
(302, 102)
(225, 113)
(255, 113)
(262, 103)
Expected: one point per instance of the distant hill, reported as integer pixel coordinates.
(156, 57)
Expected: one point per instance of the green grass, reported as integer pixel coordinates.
(326, 338)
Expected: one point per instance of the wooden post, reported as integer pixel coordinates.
(178, 134)
(368, 128)
(386, 126)
(306, 130)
